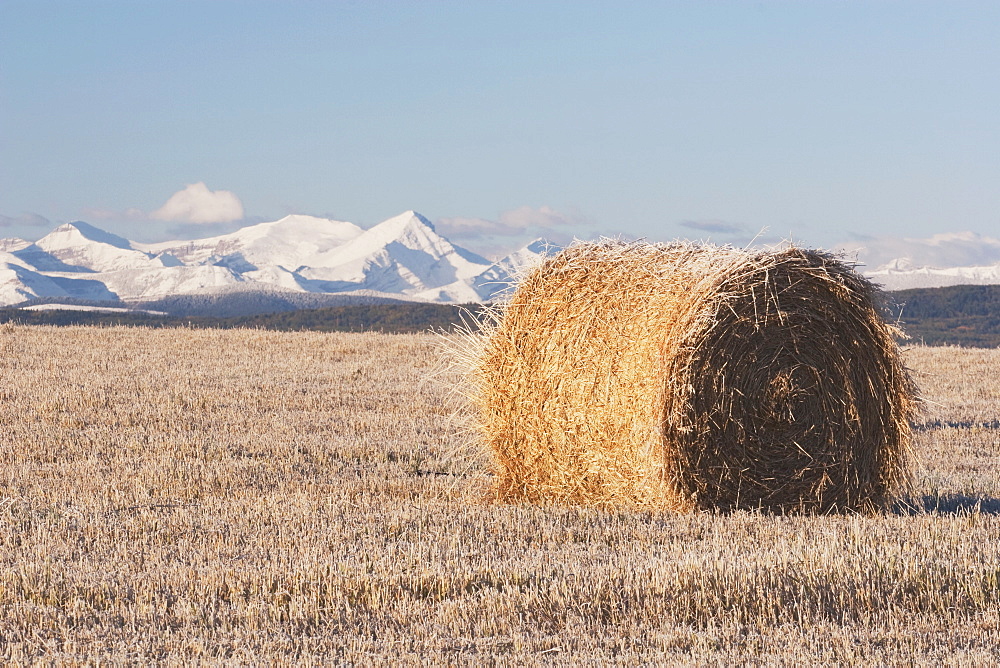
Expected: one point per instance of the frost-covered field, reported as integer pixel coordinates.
(258, 497)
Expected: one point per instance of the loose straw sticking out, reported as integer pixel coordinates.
(689, 376)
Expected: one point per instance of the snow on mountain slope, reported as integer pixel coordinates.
(413, 232)
(528, 257)
(292, 242)
(403, 254)
(82, 245)
(152, 283)
(460, 292)
(12, 244)
(7, 257)
(275, 276)
(497, 280)
(19, 282)
(42, 260)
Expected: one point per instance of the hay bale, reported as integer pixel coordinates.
(692, 376)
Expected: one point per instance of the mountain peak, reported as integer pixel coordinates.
(408, 228)
(540, 245)
(301, 223)
(70, 234)
(527, 256)
(407, 219)
(898, 264)
(80, 244)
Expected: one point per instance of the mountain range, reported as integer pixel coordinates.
(299, 262)
(902, 274)
(289, 263)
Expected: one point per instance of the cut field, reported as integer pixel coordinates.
(265, 497)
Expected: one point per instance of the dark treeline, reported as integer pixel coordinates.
(966, 315)
(389, 318)
(963, 315)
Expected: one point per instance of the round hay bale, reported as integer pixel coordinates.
(690, 376)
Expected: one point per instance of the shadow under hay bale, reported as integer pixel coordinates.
(689, 376)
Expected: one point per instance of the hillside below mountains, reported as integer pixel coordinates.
(296, 262)
(961, 315)
(965, 315)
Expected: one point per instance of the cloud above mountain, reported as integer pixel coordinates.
(515, 226)
(24, 220)
(714, 226)
(724, 232)
(197, 204)
(949, 249)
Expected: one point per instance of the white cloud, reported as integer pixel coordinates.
(716, 226)
(949, 249)
(526, 217)
(472, 228)
(24, 220)
(514, 228)
(197, 204)
(515, 222)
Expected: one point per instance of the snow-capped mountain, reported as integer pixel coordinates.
(19, 282)
(504, 271)
(401, 255)
(292, 242)
(13, 244)
(303, 261)
(88, 248)
(527, 258)
(900, 274)
(400, 258)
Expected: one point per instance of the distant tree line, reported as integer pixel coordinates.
(399, 318)
(389, 318)
(962, 315)
(965, 315)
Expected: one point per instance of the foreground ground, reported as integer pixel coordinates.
(246, 496)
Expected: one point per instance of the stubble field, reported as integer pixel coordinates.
(250, 497)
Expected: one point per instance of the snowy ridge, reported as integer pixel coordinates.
(89, 248)
(19, 283)
(13, 244)
(500, 277)
(292, 242)
(901, 275)
(402, 258)
(301, 260)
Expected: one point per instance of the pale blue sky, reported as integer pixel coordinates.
(826, 121)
